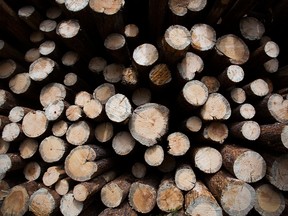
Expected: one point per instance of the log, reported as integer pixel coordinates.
(4, 120)
(70, 58)
(10, 162)
(53, 149)
(30, 16)
(74, 113)
(189, 66)
(148, 123)
(104, 132)
(178, 144)
(54, 92)
(79, 133)
(143, 194)
(175, 43)
(244, 163)
(70, 206)
(97, 64)
(116, 47)
(37, 37)
(7, 101)
(123, 209)
(193, 124)
(129, 77)
(140, 96)
(56, 110)
(216, 107)
(231, 76)
(4, 146)
(274, 136)
(87, 161)
(82, 97)
(246, 130)
(235, 196)
(50, 49)
(12, 132)
(273, 106)
(115, 192)
(123, 143)
(244, 111)
(32, 55)
(113, 73)
(103, 92)
(215, 132)
(33, 171)
(28, 148)
(207, 159)
(132, 35)
(256, 89)
(93, 109)
(17, 200)
(139, 170)
(144, 56)
(169, 197)
(237, 95)
(118, 108)
(269, 200)
(194, 93)
(160, 76)
(35, 124)
(48, 28)
(154, 155)
(212, 83)
(17, 113)
(251, 28)
(59, 128)
(9, 68)
(200, 201)
(47, 196)
(276, 172)
(185, 177)
(74, 82)
(52, 175)
(63, 186)
(4, 190)
(84, 190)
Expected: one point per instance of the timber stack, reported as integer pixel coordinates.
(129, 107)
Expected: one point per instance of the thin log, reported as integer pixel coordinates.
(232, 75)
(103, 92)
(145, 129)
(63, 186)
(178, 143)
(139, 170)
(56, 110)
(115, 192)
(200, 201)
(207, 159)
(52, 175)
(154, 155)
(37, 37)
(50, 49)
(12, 132)
(144, 56)
(9, 51)
(35, 124)
(28, 148)
(59, 128)
(168, 164)
(85, 162)
(7, 101)
(104, 132)
(215, 132)
(10, 162)
(70, 206)
(113, 72)
(33, 171)
(93, 109)
(244, 163)
(251, 28)
(30, 16)
(185, 177)
(238, 95)
(123, 143)
(244, 111)
(193, 124)
(255, 89)
(74, 113)
(129, 77)
(212, 83)
(247, 130)
(97, 64)
(4, 146)
(32, 55)
(9, 68)
(79, 133)
(141, 96)
(160, 76)
(235, 196)
(82, 97)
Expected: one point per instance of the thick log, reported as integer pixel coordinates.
(103, 92)
(28, 148)
(217, 107)
(59, 128)
(52, 175)
(53, 149)
(235, 196)
(169, 197)
(269, 200)
(207, 159)
(175, 43)
(178, 143)
(212, 83)
(274, 136)
(154, 155)
(63, 186)
(185, 177)
(123, 143)
(200, 201)
(246, 130)
(12, 132)
(251, 28)
(189, 66)
(85, 162)
(123, 209)
(143, 195)
(84, 190)
(35, 124)
(47, 196)
(148, 123)
(277, 171)
(215, 132)
(79, 133)
(17, 200)
(244, 163)
(118, 108)
(104, 132)
(139, 170)
(115, 192)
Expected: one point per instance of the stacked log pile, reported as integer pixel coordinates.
(129, 107)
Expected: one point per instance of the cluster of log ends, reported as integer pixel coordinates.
(89, 123)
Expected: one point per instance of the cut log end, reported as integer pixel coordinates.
(41, 68)
(20, 83)
(123, 143)
(185, 177)
(208, 159)
(103, 92)
(178, 143)
(154, 155)
(145, 54)
(203, 37)
(78, 133)
(195, 93)
(34, 124)
(178, 37)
